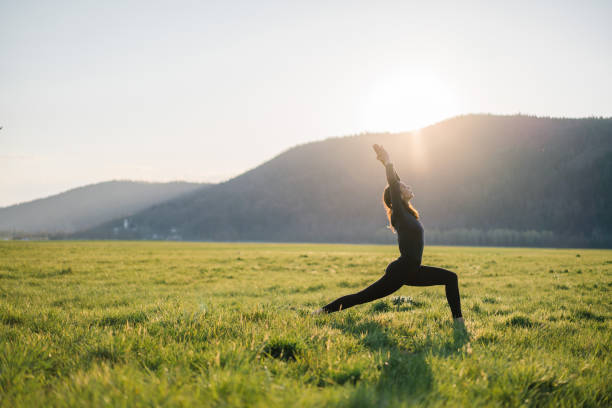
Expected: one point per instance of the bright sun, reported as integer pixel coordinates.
(407, 101)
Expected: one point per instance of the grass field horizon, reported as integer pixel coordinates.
(98, 323)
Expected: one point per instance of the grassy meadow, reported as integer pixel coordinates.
(228, 325)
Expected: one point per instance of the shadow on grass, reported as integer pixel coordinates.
(405, 374)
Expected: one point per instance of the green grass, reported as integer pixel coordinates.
(184, 324)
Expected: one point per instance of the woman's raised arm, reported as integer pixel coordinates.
(392, 177)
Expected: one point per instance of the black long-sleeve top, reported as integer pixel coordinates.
(409, 229)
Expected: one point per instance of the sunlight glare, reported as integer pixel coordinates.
(417, 152)
(407, 101)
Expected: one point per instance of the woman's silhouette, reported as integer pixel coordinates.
(407, 269)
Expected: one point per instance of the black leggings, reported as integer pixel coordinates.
(401, 272)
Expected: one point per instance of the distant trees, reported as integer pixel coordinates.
(494, 237)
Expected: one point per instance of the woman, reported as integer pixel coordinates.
(407, 269)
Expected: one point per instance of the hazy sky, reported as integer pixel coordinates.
(201, 91)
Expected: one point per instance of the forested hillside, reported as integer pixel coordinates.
(478, 179)
(87, 206)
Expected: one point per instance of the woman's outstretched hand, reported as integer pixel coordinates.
(381, 154)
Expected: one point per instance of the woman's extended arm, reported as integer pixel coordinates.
(392, 177)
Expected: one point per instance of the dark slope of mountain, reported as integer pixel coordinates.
(87, 206)
(478, 179)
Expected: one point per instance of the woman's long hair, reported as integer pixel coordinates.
(386, 199)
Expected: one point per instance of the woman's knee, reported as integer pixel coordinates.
(392, 267)
(398, 266)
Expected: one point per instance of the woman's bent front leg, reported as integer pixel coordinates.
(430, 275)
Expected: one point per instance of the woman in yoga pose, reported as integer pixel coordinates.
(407, 269)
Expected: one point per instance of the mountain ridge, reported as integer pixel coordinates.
(485, 178)
(86, 206)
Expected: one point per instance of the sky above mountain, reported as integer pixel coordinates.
(201, 91)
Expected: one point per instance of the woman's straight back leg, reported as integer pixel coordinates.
(389, 283)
